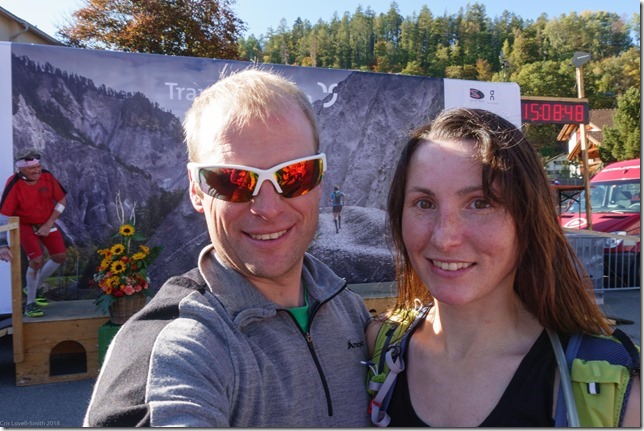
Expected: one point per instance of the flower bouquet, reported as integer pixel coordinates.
(122, 273)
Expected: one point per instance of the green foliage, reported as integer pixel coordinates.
(388, 42)
(604, 34)
(622, 140)
(544, 138)
(546, 78)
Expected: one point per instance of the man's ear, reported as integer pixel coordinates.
(196, 195)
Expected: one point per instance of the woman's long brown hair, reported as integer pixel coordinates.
(550, 279)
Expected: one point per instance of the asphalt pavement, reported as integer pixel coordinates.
(63, 405)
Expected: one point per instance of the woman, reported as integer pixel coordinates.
(476, 236)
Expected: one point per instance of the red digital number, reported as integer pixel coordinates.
(557, 112)
(535, 114)
(524, 108)
(579, 113)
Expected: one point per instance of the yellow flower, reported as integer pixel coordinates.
(117, 249)
(144, 248)
(112, 281)
(138, 256)
(105, 263)
(127, 230)
(118, 267)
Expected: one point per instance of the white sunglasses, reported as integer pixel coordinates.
(239, 183)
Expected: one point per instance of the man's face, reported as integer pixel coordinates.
(264, 239)
(32, 173)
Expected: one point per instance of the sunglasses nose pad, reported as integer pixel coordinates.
(271, 180)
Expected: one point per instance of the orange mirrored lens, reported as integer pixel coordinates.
(299, 178)
(234, 185)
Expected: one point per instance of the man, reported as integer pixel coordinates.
(261, 334)
(337, 199)
(36, 196)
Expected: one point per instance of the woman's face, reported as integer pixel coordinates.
(463, 247)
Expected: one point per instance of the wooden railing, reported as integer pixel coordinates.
(13, 227)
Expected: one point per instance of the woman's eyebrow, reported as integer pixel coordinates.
(463, 191)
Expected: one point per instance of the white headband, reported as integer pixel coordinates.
(27, 163)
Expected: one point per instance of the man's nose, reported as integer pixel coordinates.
(268, 202)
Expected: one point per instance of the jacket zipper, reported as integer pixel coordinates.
(309, 343)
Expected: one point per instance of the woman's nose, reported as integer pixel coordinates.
(447, 230)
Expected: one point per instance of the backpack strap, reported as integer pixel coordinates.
(394, 364)
(566, 410)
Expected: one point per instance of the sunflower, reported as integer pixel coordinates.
(112, 281)
(117, 249)
(105, 263)
(118, 267)
(127, 230)
(138, 256)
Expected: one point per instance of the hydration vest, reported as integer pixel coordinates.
(598, 371)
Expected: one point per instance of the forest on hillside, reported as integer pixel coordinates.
(536, 54)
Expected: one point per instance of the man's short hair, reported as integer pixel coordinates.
(238, 98)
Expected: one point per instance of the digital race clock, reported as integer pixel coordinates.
(557, 110)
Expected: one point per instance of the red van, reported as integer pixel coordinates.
(615, 205)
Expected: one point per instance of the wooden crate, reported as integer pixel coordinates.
(60, 346)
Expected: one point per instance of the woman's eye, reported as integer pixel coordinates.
(424, 204)
(481, 204)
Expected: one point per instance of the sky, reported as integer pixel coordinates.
(259, 15)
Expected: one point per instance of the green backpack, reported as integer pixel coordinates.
(596, 376)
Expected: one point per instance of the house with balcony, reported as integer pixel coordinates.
(571, 133)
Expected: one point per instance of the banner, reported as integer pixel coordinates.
(110, 122)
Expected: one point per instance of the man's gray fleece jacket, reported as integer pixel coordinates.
(220, 354)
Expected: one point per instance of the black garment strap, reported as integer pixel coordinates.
(385, 346)
(10, 185)
(421, 317)
(630, 348)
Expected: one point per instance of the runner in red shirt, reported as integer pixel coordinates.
(36, 196)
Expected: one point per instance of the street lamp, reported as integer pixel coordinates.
(579, 59)
(503, 64)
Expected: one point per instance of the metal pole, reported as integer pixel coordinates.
(584, 152)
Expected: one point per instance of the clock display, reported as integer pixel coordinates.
(554, 111)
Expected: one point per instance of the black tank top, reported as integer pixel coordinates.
(526, 402)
